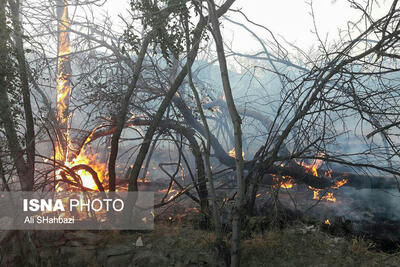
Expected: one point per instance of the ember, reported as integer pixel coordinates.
(232, 153)
(313, 169)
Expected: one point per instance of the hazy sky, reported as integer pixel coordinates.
(290, 19)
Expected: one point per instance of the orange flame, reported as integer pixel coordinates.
(63, 95)
(313, 169)
(339, 183)
(232, 153)
(63, 82)
(172, 194)
(63, 71)
(86, 177)
(285, 182)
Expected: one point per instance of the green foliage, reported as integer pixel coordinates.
(169, 20)
(14, 89)
(10, 75)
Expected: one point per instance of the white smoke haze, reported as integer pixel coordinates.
(278, 53)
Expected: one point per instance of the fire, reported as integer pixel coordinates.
(285, 182)
(172, 194)
(339, 183)
(144, 180)
(287, 185)
(86, 177)
(327, 222)
(232, 153)
(63, 77)
(328, 196)
(313, 169)
(63, 97)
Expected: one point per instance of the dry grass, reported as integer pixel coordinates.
(307, 246)
(295, 246)
(298, 245)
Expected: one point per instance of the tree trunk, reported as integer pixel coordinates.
(63, 80)
(237, 211)
(123, 113)
(198, 32)
(23, 74)
(6, 115)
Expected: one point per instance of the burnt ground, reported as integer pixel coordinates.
(180, 241)
(277, 235)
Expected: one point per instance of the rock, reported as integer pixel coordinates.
(139, 242)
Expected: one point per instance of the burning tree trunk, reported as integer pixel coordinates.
(63, 80)
(86, 167)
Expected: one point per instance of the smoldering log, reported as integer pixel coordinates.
(364, 181)
(301, 175)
